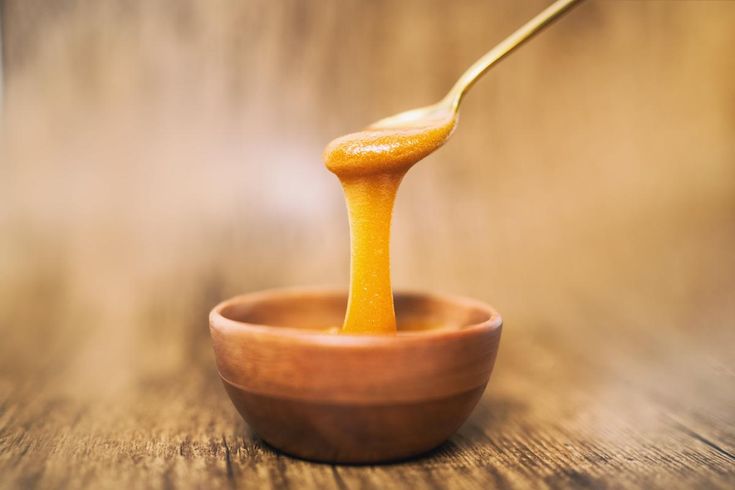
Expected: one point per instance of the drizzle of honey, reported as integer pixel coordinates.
(370, 165)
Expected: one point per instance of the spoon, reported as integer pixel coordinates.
(371, 164)
(448, 107)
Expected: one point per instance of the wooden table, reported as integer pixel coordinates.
(622, 406)
(158, 158)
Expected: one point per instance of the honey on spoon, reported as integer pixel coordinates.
(371, 164)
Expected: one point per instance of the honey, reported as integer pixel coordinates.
(370, 165)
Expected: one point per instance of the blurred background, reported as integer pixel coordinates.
(149, 147)
(158, 157)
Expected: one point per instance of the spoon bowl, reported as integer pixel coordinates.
(414, 118)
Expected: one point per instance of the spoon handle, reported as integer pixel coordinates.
(522, 34)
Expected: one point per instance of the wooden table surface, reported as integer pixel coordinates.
(158, 157)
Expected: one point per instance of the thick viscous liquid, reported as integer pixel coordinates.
(370, 165)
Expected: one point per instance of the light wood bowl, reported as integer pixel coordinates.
(353, 398)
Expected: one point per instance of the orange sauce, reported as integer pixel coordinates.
(370, 166)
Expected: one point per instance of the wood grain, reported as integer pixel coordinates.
(158, 157)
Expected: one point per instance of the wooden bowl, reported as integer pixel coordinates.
(353, 398)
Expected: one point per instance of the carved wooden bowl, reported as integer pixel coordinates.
(353, 398)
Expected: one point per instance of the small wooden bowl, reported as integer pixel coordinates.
(353, 398)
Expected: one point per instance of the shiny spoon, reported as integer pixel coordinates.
(371, 164)
(448, 107)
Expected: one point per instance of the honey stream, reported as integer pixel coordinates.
(370, 166)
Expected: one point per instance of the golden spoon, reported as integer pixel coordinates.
(449, 105)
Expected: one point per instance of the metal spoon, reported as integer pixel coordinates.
(448, 107)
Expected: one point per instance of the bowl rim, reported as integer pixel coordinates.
(226, 325)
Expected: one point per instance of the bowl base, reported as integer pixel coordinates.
(353, 433)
